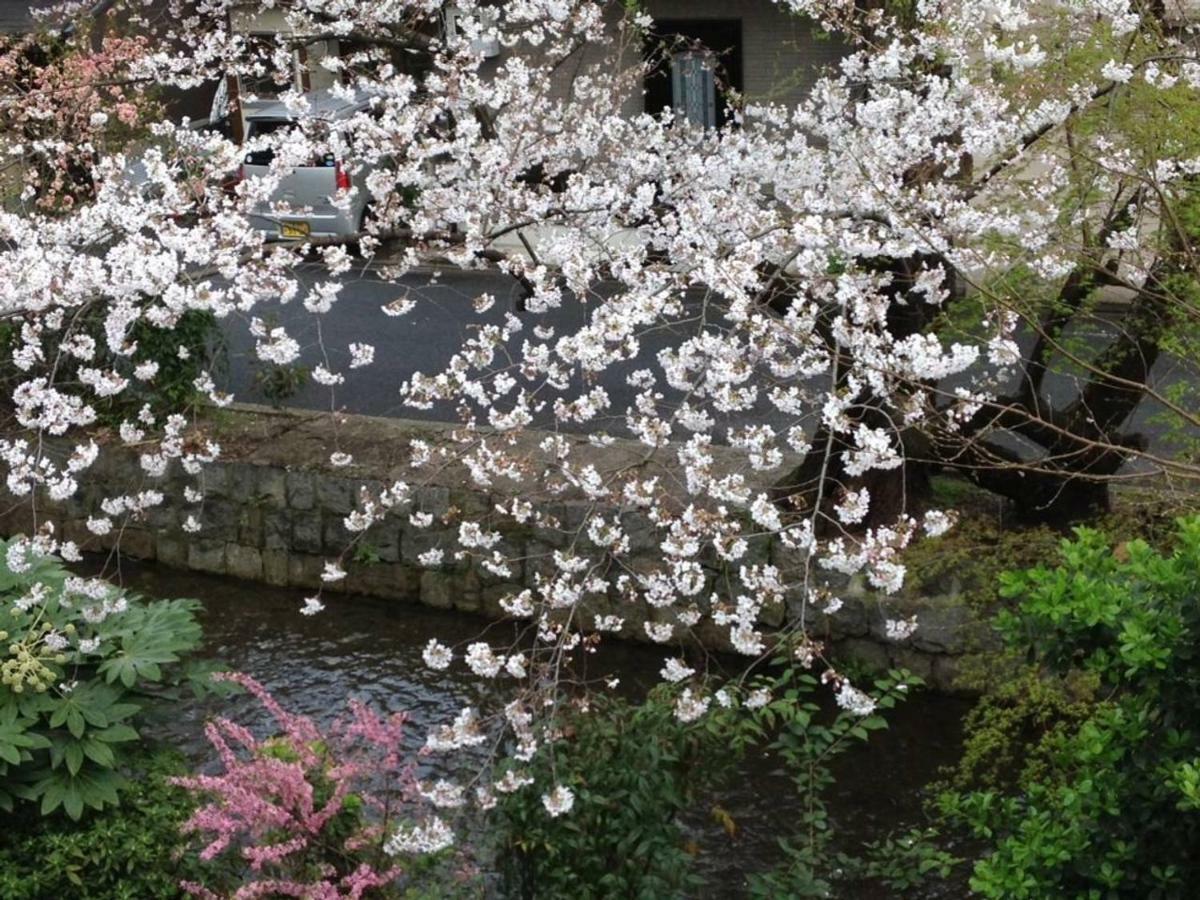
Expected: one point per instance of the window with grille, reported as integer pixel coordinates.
(697, 63)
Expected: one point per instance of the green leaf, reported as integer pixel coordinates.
(73, 754)
(116, 734)
(75, 722)
(52, 796)
(99, 753)
(73, 802)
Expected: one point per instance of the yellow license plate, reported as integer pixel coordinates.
(293, 229)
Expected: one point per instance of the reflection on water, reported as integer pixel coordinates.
(371, 650)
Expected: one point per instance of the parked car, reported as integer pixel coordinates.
(303, 204)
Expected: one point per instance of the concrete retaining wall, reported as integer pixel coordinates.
(273, 512)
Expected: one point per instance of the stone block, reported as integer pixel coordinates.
(335, 495)
(414, 542)
(305, 571)
(539, 560)
(172, 551)
(491, 595)
(758, 551)
(850, 620)
(127, 467)
(277, 529)
(773, 613)
(562, 525)
(244, 562)
(439, 589)
(512, 554)
(384, 539)
(711, 636)
(433, 500)
(270, 487)
(642, 534)
(945, 674)
(215, 480)
(220, 520)
(275, 567)
(389, 581)
(470, 505)
(467, 599)
(300, 490)
(865, 653)
(107, 542)
(166, 517)
(243, 482)
(334, 536)
(946, 627)
(75, 530)
(920, 664)
(138, 543)
(306, 533)
(205, 555)
(250, 526)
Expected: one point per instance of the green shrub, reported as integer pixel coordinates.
(808, 741)
(173, 389)
(80, 664)
(1107, 808)
(1007, 734)
(189, 346)
(633, 768)
(131, 852)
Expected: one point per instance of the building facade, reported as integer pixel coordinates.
(704, 52)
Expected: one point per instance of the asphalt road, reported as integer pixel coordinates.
(422, 341)
(426, 338)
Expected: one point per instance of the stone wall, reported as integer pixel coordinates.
(273, 512)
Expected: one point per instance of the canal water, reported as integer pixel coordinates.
(371, 650)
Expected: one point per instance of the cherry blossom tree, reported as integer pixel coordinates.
(858, 288)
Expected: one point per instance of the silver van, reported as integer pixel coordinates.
(303, 205)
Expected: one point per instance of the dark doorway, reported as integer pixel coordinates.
(723, 37)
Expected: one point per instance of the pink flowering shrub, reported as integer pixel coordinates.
(307, 811)
(73, 97)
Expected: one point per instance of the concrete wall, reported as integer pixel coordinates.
(274, 507)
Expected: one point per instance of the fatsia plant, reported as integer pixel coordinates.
(81, 663)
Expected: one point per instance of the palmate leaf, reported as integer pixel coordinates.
(74, 753)
(61, 749)
(116, 734)
(29, 705)
(91, 788)
(16, 741)
(92, 705)
(150, 637)
(45, 569)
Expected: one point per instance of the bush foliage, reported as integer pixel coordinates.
(131, 852)
(82, 663)
(1104, 799)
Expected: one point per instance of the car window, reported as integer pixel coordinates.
(258, 128)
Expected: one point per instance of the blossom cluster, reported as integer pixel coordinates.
(773, 304)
